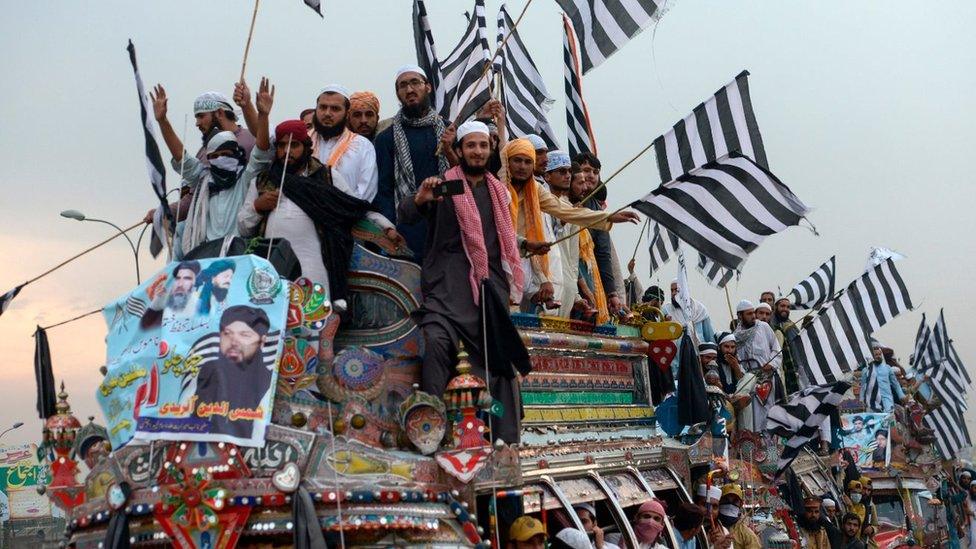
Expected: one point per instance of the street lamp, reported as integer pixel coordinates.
(17, 425)
(79, 216)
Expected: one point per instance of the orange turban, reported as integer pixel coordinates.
(365, 100)
(533, 213)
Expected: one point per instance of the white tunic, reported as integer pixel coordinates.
(357, 165)
(290, 222)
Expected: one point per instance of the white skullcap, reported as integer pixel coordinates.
(744, 305)
(589, 508)
(219, 139)
(714, 493)
(409, 68)
(469, 127)
(702, 490)
(336, 88)
(574, 538)
(211, 101)
(727, 338)
(764, 305)
(829, 502)
(537, 142)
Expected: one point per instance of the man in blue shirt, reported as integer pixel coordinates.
(880, 389)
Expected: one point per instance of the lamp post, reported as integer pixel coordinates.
(79, 216)
(17, 425)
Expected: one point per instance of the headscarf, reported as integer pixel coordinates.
(473, 236)
(533, 213)
(648, 531)
(295, 128)
(365, 100)
(211, 101)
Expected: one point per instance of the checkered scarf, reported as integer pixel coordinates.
(406, 184)
(473, 236)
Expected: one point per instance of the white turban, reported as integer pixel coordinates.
(211, 101)
(702, 490)
(727, 338)
(764, 305)
(827, 502)
(714, 493)
(409, 68)
(470, 127)
(336, 88)
(219, 139)
(744, 305)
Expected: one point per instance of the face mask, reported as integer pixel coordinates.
(728, 515)
(227, 163)
(648, 531)
(856, 498)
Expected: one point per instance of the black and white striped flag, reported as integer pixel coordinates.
(426, 54)
(316, 6)
(802, 417)
(951, 433)
(579, 131)
(814, 290)
(524, 93)
(723, 124)
(946, 352)
(604, 26)
(922, 355)
(6, 298)
(154, 161)
(838, 340)
(725, 208)
(462, 70)
(938, 361)
(662, 245)
(715, 274)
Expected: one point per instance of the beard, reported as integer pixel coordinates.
(327, 132)
(220, 294)
(212, 131)
(177, 302)
(299, 165)
(472, 170)
(418, 110)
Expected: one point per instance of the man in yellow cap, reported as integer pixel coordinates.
(526, 533)
(854, 496)
(731, 517)
(869, 524)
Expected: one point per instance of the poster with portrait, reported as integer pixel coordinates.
(192, 353)
(868, 437)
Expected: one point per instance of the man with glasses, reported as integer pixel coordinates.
(407, 152)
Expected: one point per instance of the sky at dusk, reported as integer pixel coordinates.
(866, 110)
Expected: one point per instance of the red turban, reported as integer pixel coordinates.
(295, 128)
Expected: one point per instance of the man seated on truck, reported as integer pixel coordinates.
(526, 533)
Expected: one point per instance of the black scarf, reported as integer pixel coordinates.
(332, 211)
(692, 397)
(505, 346)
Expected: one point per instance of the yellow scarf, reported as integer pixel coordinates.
(533, 214)
(345, 141)
(586, 255)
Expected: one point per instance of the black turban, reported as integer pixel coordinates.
(256, 318)
(652, 293)
(688, 517)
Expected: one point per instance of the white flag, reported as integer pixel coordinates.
(879, 255)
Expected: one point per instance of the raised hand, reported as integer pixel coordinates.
(447, 138)
(159, 101)
(425, 192)
(625, 216)
(242, 94)
(265, 97)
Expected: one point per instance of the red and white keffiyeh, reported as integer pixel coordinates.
(473, 236)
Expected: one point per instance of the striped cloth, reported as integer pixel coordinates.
(951, 433)
(604, 26)
(154, 161)
(524, 93)
(715, 274)
(316, 6)
(426, 54)
(839, 339)
(662, 245)
(723, 124)
(814, 290)
(6, 298)
(579, 130)
(462, 70)
(725, 208)
(802, 417)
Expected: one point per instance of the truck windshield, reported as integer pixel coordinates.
(891, 511)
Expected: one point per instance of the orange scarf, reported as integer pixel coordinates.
(345, 141)
(533, 214)
(587, 256)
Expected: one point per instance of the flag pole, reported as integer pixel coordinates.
(250, 33)
(640, 237)
(614, 174)
(728, 300)
(281, 191)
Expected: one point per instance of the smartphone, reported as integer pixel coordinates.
(450, 187)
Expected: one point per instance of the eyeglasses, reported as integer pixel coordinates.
(413, 83)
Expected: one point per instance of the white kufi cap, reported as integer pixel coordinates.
(470, 127)
(409, 68)
(744, 305)
(336, 88)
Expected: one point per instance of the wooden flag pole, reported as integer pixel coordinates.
(614, 174)
(728, 300)
(250, 33)
(640, 237)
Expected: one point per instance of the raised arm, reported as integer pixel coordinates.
(242, 98)
(160, 108)
(263, 102)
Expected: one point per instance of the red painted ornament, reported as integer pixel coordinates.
(662, 352)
